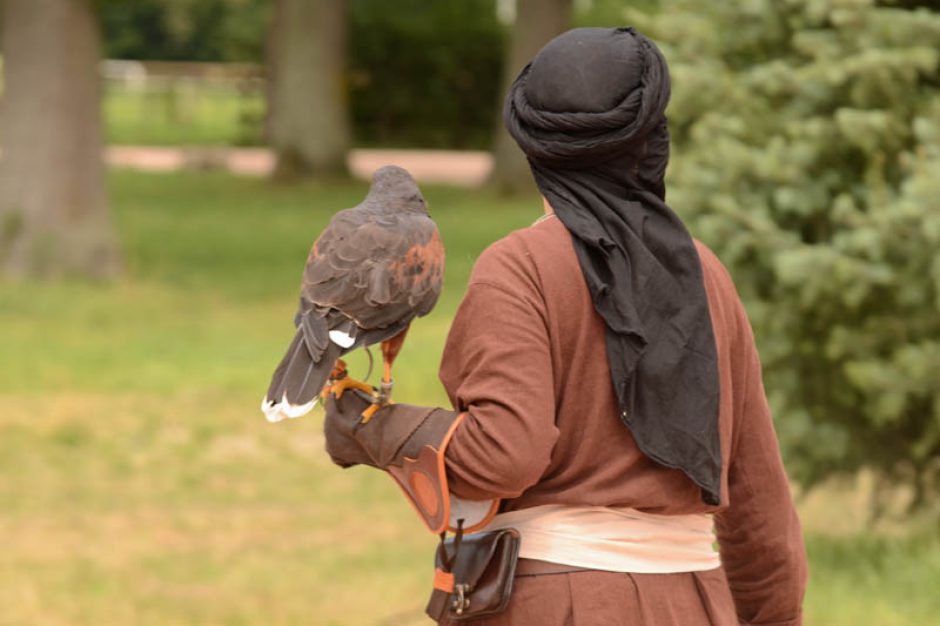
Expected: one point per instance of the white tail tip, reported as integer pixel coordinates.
(275, 412)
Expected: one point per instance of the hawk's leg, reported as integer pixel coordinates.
(340, 381)
(390, 350)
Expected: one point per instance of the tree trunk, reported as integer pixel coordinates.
(537, 22)
(307, 123)
(53, 208)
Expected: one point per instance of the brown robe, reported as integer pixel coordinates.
(526, 358)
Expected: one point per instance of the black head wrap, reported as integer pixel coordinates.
(588, 112)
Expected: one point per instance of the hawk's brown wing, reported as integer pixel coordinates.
(377, 268)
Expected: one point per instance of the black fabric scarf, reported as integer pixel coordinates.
(588, 112)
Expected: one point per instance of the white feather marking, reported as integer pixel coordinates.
(341, 338)
(275, 412)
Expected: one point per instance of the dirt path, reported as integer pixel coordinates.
(465, 169)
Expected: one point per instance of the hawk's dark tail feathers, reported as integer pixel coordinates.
(297, 381)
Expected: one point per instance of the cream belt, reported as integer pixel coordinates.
(613, 539)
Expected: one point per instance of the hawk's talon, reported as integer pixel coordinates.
(382, 397)
(340, 381)
(370, 411)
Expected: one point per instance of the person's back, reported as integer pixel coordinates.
(527, 323)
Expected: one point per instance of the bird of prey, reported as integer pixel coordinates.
(373, 269)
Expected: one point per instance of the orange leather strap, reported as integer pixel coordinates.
(443, 581)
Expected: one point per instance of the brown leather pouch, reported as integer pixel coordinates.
(473, 575)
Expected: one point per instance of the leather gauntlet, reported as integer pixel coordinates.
(409, 443)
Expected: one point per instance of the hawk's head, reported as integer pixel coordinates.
(395, 189)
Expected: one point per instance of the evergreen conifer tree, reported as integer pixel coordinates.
(807, 154)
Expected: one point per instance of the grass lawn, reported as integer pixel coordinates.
(193, 114)
(140, 484)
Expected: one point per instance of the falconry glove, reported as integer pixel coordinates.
(351, 441)
(409, 443)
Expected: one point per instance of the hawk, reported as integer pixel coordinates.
(373, 269)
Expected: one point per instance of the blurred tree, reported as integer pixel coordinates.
(53, 209)
(807, 140)
(536, 23)
(307, 122)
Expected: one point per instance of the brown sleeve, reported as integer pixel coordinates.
(759, 534)
(497, 366)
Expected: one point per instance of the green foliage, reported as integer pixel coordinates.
(185, 30)
(424, 73)
(807, 141)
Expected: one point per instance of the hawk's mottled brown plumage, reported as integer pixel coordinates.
(374, 268)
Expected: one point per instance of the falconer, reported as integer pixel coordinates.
(607, 392)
